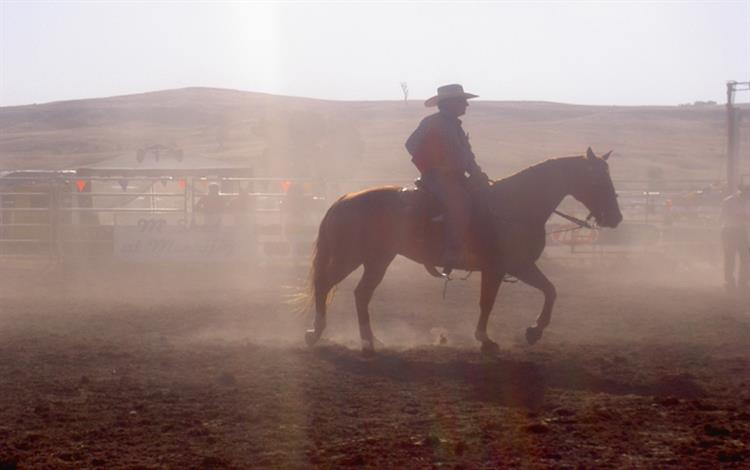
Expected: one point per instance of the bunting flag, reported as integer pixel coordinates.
(123, 184)
(285, 185)
(182, 183)
(81, 185)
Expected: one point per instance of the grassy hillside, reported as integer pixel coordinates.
(304, 137)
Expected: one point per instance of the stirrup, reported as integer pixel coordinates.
(450, 263)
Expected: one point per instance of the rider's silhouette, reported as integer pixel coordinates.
(441, 151)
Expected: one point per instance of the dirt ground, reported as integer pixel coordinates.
(643, 366)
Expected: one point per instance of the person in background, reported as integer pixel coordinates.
(212, 207)
(735, 218)
(243, 208)
(441, 152)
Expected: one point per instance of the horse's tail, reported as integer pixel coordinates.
(321, 259)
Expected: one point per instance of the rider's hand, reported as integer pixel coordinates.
(481, 178)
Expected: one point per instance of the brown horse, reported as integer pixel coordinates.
(373, 226)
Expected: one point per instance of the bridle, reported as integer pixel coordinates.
(580, 222)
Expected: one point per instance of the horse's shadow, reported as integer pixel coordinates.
(505, 381)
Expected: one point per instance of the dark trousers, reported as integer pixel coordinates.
(451, 191)
(735, 243)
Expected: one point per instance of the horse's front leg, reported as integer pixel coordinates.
(534, 277)
(490, 285)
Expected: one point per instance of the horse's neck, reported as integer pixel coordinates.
(537, 191)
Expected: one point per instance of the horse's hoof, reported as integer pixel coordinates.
(311, 337)
(533, 334)
(490, 348)
(368, 347)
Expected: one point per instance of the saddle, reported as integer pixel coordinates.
(421, 204)
(427, 214)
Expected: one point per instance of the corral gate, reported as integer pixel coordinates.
(64, 216)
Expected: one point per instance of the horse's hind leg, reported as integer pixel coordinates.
(534, 277)
(373, 274)
(491, 281)
(326, 280)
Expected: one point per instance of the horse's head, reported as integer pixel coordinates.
(593, 186)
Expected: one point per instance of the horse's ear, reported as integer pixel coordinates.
(606, 155)
(590, 154)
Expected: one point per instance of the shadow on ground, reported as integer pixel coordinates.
(505, 381)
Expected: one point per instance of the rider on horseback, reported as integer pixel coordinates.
(441, 152)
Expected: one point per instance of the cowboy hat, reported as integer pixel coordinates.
(448, 91)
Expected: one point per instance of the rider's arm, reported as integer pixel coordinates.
(472, 167)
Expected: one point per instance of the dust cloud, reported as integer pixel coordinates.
(114, 362)
(264, 302)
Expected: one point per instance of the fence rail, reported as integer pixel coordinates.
(68, 216)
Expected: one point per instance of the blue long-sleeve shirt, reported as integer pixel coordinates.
(440, 143)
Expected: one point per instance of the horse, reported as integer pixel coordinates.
(371, 227)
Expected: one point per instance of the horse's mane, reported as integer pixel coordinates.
(533, 172)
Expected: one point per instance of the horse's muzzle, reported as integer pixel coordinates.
(610, 220)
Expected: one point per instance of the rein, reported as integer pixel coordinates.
(581, 223)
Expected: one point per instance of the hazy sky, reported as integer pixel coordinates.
(601, 52)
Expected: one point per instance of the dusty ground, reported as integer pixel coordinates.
(170, 369)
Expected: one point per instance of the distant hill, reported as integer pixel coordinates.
(288, 136)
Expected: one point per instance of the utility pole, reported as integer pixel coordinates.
(734, 116)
